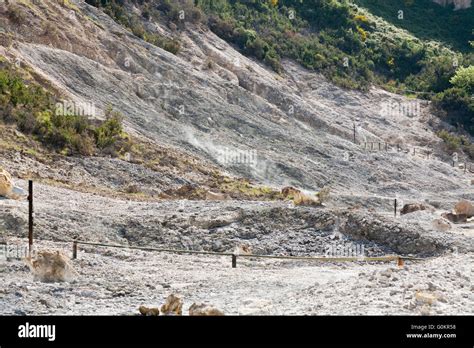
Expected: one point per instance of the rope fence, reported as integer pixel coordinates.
(384, 146)
(234, 256)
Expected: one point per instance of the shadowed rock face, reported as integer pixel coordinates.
(458, 4)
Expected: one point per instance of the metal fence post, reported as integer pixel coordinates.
(395, 207)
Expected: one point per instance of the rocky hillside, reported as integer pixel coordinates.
(181, 124)
(293, 128)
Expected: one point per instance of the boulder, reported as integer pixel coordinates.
(243, 249)
(464, 207)
(299, 197)
(6, 183)
(306, 200)
(7, 188)
(50, 266)
(290, 192)
(213, 196)
(441, 225)
(204, 310)
(172, 306)
(425, 297)
(149, 312)
(412, 207)
(455, 218)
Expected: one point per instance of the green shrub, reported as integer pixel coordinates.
(32, 109)
(464, 79)
(15, 14)
(452, 142)
(455, 143)
(110, 130)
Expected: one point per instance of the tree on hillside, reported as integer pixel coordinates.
(464, 78)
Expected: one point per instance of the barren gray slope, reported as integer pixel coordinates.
(299, 124)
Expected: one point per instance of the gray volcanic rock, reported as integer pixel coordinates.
(297, 127)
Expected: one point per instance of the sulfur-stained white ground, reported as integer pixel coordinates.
(117, 282)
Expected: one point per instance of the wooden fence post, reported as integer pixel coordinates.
(74, 250)
(234, 261)
(30, 216)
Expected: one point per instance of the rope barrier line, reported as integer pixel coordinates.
(152, 249)
(182, 251)
(234, 256)
(385, 258)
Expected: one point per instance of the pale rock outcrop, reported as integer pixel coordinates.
(441, 225)
(50, 266)
(216, 196)
(7, 187)
(464, 207)
(172, 306)
(412, 207)
(243, 249)
(204, 310)
(6, 183)
(149, 312)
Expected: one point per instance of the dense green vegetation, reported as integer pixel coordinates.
(34, 111)
(427, 20)
(339, 40)
(321, 35)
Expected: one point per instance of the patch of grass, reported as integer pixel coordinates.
(15, 14)
(242, 189)
(68, 4)
(29, 106)
(455, 142)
